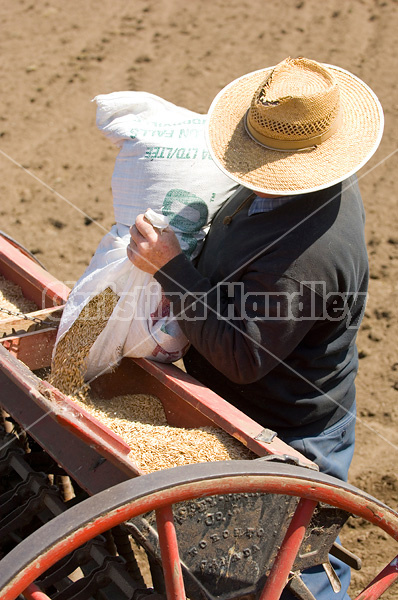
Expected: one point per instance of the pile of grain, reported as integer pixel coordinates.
(12, 298)
(68, 366)
(140, 420)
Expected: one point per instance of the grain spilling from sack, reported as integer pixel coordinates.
(12, 298)
(141, 421)
(68, 366)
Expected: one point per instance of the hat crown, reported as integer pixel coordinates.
(297, 102)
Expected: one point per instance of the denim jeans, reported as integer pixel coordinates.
(332, 451)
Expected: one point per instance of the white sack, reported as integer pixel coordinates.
(131, 330)
(164, 165)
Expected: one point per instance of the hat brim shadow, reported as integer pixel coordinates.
(244, 155)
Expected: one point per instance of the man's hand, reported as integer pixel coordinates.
(149, 249)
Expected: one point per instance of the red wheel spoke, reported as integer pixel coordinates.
(170, 556)
(381, 583)
(32, 592)
(288, 551)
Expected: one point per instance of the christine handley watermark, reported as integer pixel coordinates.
(309, 301)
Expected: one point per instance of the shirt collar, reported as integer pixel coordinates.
(261, 205)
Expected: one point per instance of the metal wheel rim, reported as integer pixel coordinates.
(132, 498)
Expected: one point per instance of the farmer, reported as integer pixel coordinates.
(272, 306)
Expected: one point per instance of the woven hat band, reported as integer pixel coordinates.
(291, 145)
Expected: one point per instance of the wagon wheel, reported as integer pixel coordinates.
(161, 490)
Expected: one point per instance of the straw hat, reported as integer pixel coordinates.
(297, 127)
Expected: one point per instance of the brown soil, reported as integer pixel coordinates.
(55, 188)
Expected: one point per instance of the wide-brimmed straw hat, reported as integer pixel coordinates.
(297, 127)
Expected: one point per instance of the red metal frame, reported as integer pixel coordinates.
(47, 292)
(26, 349)
(89, 452)
(37, 284)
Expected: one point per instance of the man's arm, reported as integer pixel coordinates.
(243, 328)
